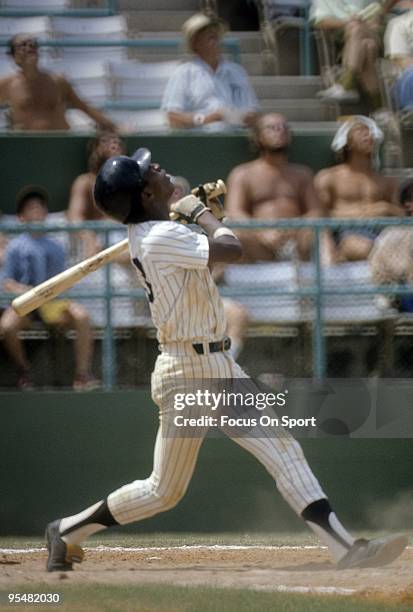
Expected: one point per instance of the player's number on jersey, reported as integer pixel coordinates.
(148, 286)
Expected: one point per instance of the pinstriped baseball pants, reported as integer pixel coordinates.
(175, 457)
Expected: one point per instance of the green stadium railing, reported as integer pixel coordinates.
(316, 291)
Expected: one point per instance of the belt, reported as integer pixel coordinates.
(214, 347)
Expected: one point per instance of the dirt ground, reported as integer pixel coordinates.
(289, 569)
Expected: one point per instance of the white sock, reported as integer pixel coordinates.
(335, 546)
(320, 517)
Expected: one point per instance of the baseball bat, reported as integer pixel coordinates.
(54, 286)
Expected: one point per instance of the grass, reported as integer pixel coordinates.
(161, 598)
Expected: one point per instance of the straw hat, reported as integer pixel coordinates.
(199, 22)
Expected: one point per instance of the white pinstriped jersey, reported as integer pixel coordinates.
(171, 261)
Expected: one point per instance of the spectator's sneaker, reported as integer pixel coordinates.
(337, 93)
(373, 553)
(24, 382)
(86, 382)
(61, 555)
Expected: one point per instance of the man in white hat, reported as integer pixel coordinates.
(354, 189)
(208, 91)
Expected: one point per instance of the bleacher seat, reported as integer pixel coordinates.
(345, 308)
(7, 66)
(40, 27)
(131, 121)
(266, 308)
(125, 311)
(89, 78)
(94, 28)
(38, 5)
(258, 279)
(141, 82)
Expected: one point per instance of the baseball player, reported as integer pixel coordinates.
(173, 264)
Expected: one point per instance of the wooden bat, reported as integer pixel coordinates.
(51, 288)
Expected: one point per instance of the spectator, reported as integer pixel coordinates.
(391, 259)
(398, 46)
(268, 188)
(81, 203)
(356, 27)
(4, 239)
(30, 259)
(208, 91)
(271, 188)
(354, 189)
(38, 99)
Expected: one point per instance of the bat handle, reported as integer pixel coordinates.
(213, 189)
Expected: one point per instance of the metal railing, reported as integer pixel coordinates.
(110, 9)
(317, 291)
(229, 43)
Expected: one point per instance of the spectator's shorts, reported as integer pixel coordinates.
(365, 232)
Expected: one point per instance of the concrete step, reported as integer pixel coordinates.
(250, 42)
(296, 110)
(280, 87)
(162, 21)
(156, 5)
(252, 62)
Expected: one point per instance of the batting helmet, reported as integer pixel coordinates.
(119, 185)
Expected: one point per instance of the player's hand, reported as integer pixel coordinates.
(214, 204)
(216, 208)
(187, 209)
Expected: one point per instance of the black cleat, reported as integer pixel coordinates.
(373, 553)
(61, 555)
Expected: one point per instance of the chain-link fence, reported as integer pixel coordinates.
(312, 311)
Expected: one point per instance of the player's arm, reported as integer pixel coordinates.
(74, 101)
(224, 246)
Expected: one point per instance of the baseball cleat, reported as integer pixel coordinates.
(61, 555)
(373, 553)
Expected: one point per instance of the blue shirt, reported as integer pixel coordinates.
(31, 260)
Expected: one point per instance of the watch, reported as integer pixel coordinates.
(198, 119)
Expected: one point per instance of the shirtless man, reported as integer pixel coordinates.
(38, 100)
(81, 203)
(354, 189)
(271, 188)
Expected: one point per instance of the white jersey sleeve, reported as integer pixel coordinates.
(173, 244)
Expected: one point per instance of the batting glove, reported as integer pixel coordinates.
(187, 209)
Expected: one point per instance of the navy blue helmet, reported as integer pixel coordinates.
(119, 185)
